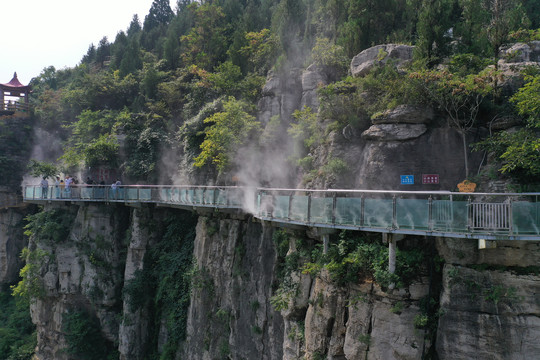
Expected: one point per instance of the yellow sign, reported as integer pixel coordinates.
(466, 186)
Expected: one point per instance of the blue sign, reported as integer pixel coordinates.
(407, 179)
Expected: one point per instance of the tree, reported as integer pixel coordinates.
(90, 56)
(471, 30)
(160, 14)
(42, 169)
(520, 151)
(230, 129)
(432, 28)
(260, 50)
(506, 15)
(103, 51)
(134, 27)
(459, 97)
(288, 22)
(206, 43)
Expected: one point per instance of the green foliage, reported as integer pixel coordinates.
(524, 35)
(84, 338)
(527, 101)
(421, 321)
(466, 64)
(325, 53)
(230, 129)
(434, 20)
(335, 167)
(31, 286)
(261, 50)
(365, 339)
(17, 333)
(206, 43)
(42, 169)
(93, 140)
(164, 285)
(287, 263)
(15, 144)
(306, 131)
(146, 136)
(341, 102)
(354, 258)
(49, 227)
(519, 151)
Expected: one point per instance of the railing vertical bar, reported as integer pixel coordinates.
(334, 208)
(362, 208)
(308, 219)
(430, 212)
(289, 206)
(394, 212)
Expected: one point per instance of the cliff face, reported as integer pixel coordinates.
(488, 307)
(11, 243)
(81, 273)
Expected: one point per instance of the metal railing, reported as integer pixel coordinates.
(14, 106)
(470, 215)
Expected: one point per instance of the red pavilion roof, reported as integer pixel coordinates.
(14, 84)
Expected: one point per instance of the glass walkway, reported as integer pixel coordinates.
(490, 216)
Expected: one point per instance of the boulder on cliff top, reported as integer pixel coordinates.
(362, 63)
(404, 114)
(521, 53)
(394, 132)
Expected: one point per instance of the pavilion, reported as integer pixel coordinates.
(11, 90)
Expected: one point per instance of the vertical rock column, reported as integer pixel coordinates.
(11, 243)
(133, 331)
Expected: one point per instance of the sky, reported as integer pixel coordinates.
(39, 33)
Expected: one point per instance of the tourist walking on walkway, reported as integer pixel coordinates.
(44, 187)
(69, 181)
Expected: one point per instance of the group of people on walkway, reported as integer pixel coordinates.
(63, 188)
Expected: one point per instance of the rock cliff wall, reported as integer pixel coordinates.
(115, 263)
(12, 242)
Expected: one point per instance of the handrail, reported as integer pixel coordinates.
(513, 216)
(14, 106)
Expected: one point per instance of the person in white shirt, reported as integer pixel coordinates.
(69, 181)
(44, 187)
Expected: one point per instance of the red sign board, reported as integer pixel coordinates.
(430, 178)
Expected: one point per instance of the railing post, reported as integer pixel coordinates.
(469, 214)
(394, 212)
(510, 217)
(430, 212)
(308, 219)
(214, 197)
(289, 206)
(362, 209)
(334, 203)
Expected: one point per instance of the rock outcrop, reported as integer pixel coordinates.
(405, 114)
(12, 242)
(81, 273)
(230, 314)
(362, 63)
(488, 315)
(394, 132)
